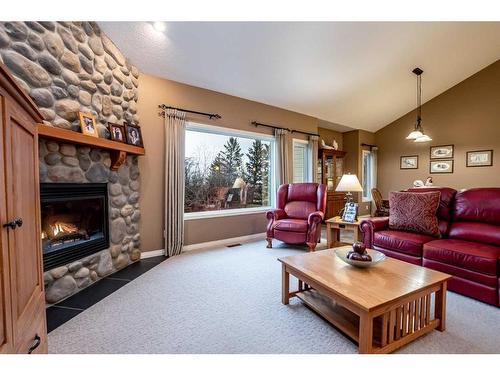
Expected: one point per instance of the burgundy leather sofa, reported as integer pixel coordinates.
(469, 246)
(297, 220)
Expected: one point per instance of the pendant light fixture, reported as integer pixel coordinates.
(418, 135)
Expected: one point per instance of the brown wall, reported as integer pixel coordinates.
(467, 115)
(329, 135)
(236, 113)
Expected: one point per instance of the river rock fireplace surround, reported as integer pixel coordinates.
(107, 232)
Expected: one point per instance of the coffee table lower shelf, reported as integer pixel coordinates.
(390, 331)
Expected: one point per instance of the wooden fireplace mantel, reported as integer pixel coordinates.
(117, 150)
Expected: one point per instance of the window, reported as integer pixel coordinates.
(301, 163)
(226, 171)
(368, 177)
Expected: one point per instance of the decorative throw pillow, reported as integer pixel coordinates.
(414, 212)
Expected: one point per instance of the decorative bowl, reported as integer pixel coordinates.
(377, 257)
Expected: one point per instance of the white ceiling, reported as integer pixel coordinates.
(357, 74)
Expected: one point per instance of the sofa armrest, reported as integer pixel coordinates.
(369, 226)
(272, 216)
(314, 221)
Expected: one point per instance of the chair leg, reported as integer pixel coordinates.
(269, 243)
(311, 246)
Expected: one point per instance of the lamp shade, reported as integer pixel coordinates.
(349, 182)
(423, 138)
(414, 135)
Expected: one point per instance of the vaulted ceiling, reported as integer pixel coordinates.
(356, 74)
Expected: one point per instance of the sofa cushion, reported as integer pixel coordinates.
(414, 212)
(473, 256)
(476, 232)
(291, 225)
(479, 205)
(403, 242)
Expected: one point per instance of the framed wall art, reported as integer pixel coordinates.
(442, 152)
(408, 162)
(441, 166)
(480, 158)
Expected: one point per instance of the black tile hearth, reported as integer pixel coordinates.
(57, 315)
(93, 294)
(72, 306)
(137, 269)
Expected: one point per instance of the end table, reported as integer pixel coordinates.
(335, 225)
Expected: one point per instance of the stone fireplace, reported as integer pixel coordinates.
(67, 168)
(68, 67)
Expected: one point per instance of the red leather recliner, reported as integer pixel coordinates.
(297, 220)
(469, 247)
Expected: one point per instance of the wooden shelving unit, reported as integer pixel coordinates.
(118, 150)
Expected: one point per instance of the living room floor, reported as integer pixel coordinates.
(228, 300)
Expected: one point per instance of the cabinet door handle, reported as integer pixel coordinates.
(12, 224)
(36, 344)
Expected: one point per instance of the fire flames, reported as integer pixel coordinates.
(59, 229)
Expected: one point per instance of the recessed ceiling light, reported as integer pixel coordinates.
(159, 26)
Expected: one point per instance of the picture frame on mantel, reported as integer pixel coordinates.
(134, 135)
(408, 162)
(88, 124)
(442, 152)
(480, 158)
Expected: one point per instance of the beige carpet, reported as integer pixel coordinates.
(227, 300)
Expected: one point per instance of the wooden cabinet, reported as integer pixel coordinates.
(330, 168)
(22, 301)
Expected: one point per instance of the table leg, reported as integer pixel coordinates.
(328, 235)
(440, 307)
(365, 333)
(285, 285)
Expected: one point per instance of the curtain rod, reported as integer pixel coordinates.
(164, 107)
(278, 127)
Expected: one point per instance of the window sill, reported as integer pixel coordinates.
(225, 213)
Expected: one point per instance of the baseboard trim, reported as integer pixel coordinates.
(224, 242)
(153, 253)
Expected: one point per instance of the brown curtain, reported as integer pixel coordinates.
(282, 156)
(175, 124)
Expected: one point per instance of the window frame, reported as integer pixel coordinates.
(219, 130)
(307, 161)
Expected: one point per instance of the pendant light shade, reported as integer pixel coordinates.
(417, 134)
(423, 138)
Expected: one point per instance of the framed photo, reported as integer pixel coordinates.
(481, 158)
(409, 162)
(442, 152)
(441, 166)
(134, 135)
(350, 212)
(87, 124)
(117, 132)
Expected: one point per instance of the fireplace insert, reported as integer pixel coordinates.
(74, 221)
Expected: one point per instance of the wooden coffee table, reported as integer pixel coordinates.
(381, 308)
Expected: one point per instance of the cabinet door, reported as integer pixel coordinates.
(5, 300)
(25, 256)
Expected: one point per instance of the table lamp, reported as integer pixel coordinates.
(349, 183)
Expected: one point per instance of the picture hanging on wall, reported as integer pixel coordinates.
(408, 162)
(442, 152)
(441, 166)
(481, 158)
